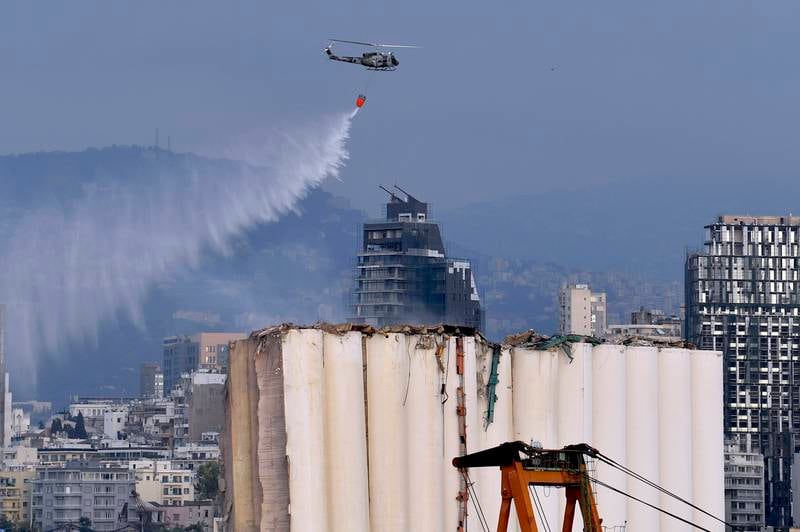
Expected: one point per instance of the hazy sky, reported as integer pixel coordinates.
(505, 98)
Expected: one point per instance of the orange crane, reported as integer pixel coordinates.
(522, 466)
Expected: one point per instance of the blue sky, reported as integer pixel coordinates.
(505, 98)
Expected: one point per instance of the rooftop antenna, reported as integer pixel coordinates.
(404, 192)
(392, 194)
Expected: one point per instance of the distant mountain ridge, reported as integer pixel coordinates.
(298, 269)
(624, 226)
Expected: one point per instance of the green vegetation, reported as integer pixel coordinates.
(80, 428)
(84, 523)
(207, 486)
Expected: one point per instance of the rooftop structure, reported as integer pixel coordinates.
(652, 325)
(738, 219)
(186, 354)
(193, 455)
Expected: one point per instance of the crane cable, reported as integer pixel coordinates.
(475, 502)
(637, 476)
(539, 508)
(653, 506)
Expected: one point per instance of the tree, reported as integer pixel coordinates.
(85, 524)
(80, 427)
(56, 427)
(41, 425)
(207, 486)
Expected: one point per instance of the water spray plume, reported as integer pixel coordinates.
(66, 271)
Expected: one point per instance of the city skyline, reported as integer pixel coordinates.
(585, 271)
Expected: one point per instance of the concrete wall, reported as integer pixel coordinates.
(206, 409)
(357, 430)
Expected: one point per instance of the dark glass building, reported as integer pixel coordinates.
(404, 276)
(743, 298)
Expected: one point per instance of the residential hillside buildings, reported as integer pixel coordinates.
(63, 495)
(163, 482)
(744, 489)
(186, 354)
(151, 381)
(205, 404)
(649, 324)
(16, 494)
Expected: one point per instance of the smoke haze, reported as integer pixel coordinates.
(69, 265)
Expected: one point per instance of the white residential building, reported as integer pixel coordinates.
(582, 311)
(162, 482)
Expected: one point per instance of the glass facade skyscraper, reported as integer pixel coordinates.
(404, 276)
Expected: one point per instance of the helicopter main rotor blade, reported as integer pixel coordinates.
(355, 42)
(377, 45)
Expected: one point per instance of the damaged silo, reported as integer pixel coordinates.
(345, 428)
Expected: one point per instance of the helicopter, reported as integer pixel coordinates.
(373, 60)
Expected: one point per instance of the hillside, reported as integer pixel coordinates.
(297, 269)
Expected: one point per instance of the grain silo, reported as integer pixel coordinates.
(347, 428)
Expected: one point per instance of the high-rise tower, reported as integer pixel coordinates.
(743, 298)
(404, 276)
